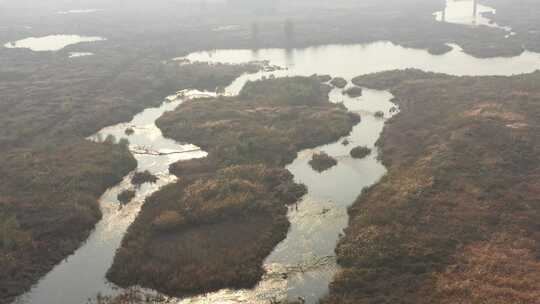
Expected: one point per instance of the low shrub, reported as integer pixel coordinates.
(354, 91)
(321, 162)
(360, 152)
(339, 82)
(323, 78)
(140, 178)
(379, 114)
(126, 196)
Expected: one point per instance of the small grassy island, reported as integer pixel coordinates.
(339, 82)
(126, 196)
(321, 162)
(360, 152)
(323, 78)
(213, 228)
(354, 91)
(140, 178)
(379, 114)
(456, 217)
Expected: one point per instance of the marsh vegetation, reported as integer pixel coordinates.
(457, 200)
(214, 227)
(321, 162)
(360, 152)
(339, 82)
(140, 178)
(52, 176)
(52, 205)
(126, 196)
(354, 91)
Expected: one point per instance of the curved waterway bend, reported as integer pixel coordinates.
(303, 264)
(82, 275)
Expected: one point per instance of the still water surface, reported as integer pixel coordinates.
(79, 54)
(80, 11)
(306, 256)
(50, 43)
(352, 60)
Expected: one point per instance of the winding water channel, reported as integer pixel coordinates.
(306, 255)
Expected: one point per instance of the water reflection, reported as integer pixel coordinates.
(352, 60)
(322, 214)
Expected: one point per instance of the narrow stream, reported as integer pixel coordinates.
(82, 275)
(303, 264)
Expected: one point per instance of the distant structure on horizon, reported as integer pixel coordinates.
(474, 11)
(258, 6)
